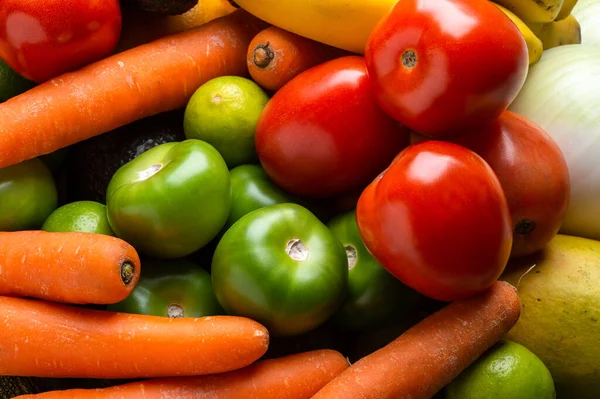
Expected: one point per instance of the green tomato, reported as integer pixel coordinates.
(280, 265)
(83, 216)
(27, 195)
(171, 288)
(171, 200)
(374, 296)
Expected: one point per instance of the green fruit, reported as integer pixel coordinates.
(224, 112)
(11, 83)
(27, 195)
(506, 371)
(171, 288)
(84, 216)
(559, 289)
(171, 200)
(374, 296)
(280, 265)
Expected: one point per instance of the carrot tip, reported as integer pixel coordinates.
(263, 55)
(127, 272)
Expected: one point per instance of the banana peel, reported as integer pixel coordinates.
(565, 11)
(558, 33)
(534, 44)
(538, 11)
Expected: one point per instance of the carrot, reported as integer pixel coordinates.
(155, 77)
(297, 376)
(275, 56)
(432, 353)
(46, 339)
(73, 267)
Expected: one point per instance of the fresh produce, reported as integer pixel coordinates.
(27, 195)
(163, 7)
(558, 33)
(505, 371)
(566, 9)
(11, 83)
(88, 343)
(172, 200)
(171, 288)
(561, 96)
(538, 196)
(43, 39)
(373, 296)
(339, 23)
(251, 189)
(587, 13)
(445, 240)
(534, 44)
(281, 266)
(323, 134)
(438, 89)
(144, 81)
(276, 56)
(224, 112)
(79, 216)
(432, 353)
(296, 376)
(534, 10)
(559, 289)
(73, 267)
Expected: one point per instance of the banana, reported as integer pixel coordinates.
(539, 11)
(566, 9)
(534, 44)
(345, 24)
(558, 33)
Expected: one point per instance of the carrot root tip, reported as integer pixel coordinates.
(263, 55)
(127, 272)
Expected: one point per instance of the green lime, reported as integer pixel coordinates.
(506, 371)
(224, 112)
(11, 83)
(84, 216)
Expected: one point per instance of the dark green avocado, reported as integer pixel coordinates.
(162, 7)
(92, 163)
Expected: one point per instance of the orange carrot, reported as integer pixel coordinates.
(275, 56)
(156, 77)
(424, 359)
(46, 339)
(73, 267)
(297, 376)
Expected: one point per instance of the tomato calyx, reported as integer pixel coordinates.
(296, 250)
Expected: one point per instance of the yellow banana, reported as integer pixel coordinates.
(534, 44)
(558, 33)
(539, 11)
(566, 9)
(345, 24)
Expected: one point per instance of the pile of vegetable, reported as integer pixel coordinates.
(258, 199)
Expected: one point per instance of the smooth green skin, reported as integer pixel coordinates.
(507, 370)
(252, 189)
(224, 112)
(178, 209)
(374, 296)
(82, 216)
(171, 288)
(254, 276)
(27, 195)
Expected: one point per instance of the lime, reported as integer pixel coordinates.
(11, 83)
(84, 216)
(224, 112)
(506, 371)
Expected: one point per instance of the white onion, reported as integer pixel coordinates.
(587, 13)
(562, 95)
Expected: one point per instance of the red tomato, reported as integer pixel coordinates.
(41, 39)
(533, 173)
(438, 220)
(441, 66)
(323, 134)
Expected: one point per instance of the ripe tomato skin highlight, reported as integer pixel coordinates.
(533, 173)
(323, 134)
(465, 63)
(438, 220)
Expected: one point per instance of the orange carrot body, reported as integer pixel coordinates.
(70, 267)
(44, 339)
(424, 359)
(275, 56)
(297, 376)
(146, 80)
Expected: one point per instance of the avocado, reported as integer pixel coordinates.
(92, 163)
(559, 289)
(163, 7)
